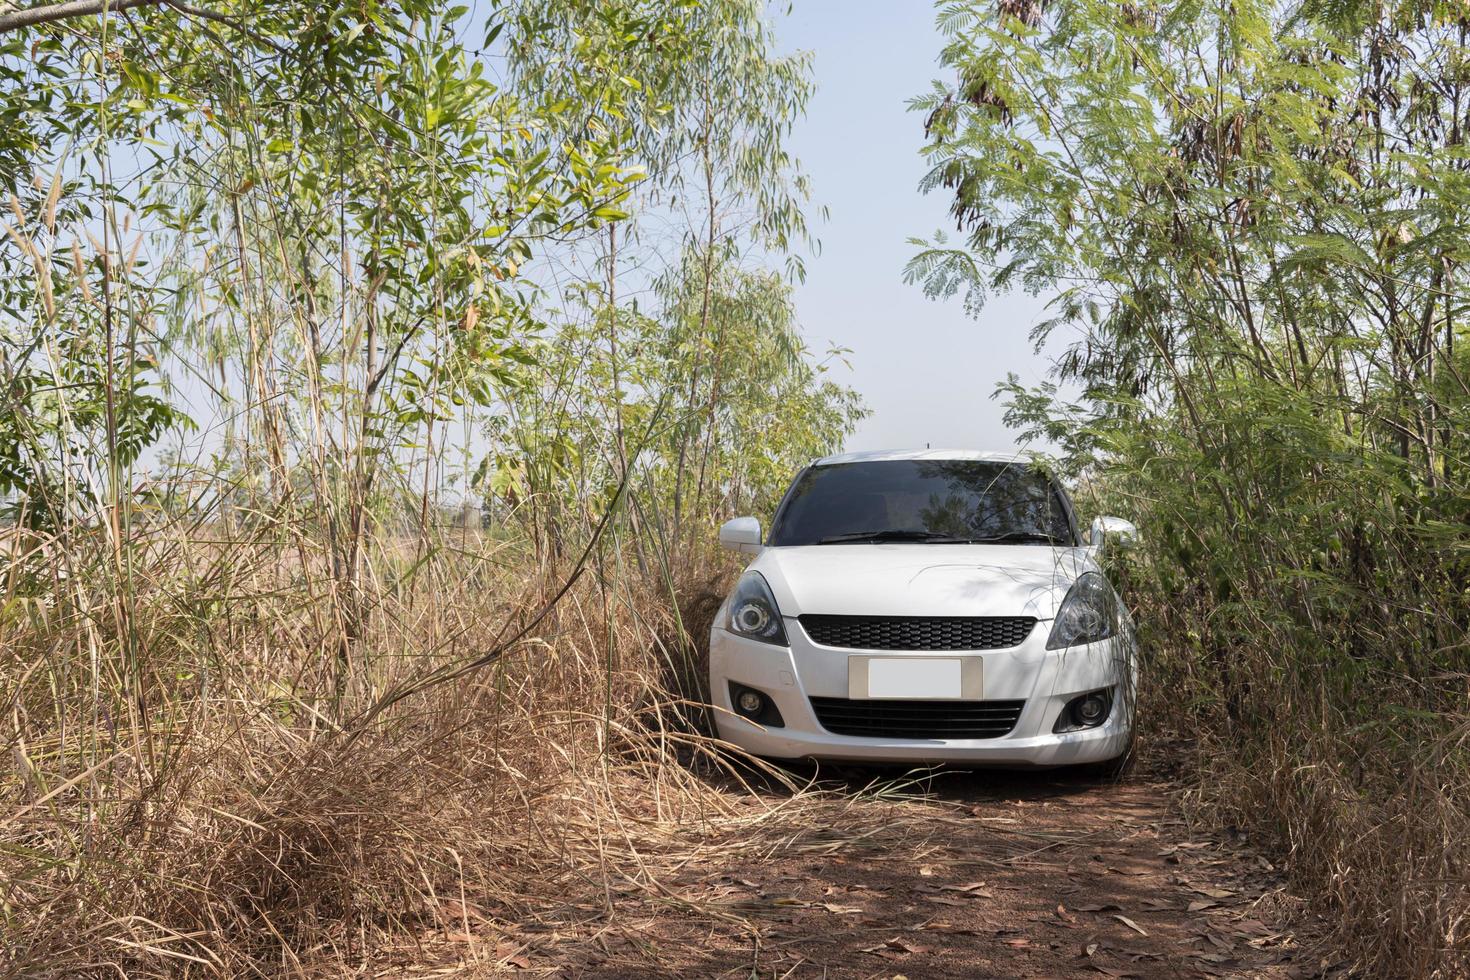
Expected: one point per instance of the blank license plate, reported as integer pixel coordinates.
(911, 677)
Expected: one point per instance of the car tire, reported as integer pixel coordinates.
(1111, 770)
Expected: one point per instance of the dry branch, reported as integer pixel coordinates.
(50, 13)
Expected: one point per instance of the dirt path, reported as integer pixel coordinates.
(967, 875)
(1021, 876)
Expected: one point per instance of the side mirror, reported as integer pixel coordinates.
(741, 534)
(1113, 529)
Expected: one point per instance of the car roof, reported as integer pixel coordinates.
(882, 455)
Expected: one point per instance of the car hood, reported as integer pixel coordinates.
(922, 579)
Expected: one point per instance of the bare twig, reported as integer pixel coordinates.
(230, 22)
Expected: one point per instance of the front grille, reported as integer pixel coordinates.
(917, 719)
(918, 632)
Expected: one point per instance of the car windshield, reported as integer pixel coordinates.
(945, 501)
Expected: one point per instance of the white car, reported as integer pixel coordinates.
(925, 606)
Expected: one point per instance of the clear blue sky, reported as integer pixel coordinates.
(926, 369)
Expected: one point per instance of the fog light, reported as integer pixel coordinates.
(755, 706)
(1085, 711)
(1091, 709)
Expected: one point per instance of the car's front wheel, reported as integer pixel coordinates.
(1111, 770)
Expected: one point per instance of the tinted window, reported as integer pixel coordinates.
(955, 499)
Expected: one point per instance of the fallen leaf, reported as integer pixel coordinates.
(946, 900)
(948, 928)
(894, 947)
(972, 887)
(1131, 924)
(455, 911)
(510, 953)
(1202, 904)
(841, 909)
(1105, 907)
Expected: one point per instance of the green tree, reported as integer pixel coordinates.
(325, 224)
(552, 458)
(709, 118)
(1251, 222)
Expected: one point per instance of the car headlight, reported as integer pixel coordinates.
(753, 611)
(1089, 613)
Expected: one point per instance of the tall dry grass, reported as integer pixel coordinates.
(1359, 789)
(1373, 834)
(191, 795)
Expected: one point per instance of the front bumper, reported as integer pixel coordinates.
(1045, 679)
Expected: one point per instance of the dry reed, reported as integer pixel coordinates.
(190, 796)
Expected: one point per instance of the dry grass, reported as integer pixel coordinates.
(1362, 797)
(1373, 836)
(189, 795)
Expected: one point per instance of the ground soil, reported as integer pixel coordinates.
(965, 875)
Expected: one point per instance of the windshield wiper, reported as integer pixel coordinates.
(1018, 536)
(938, 537)
(891, 534)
